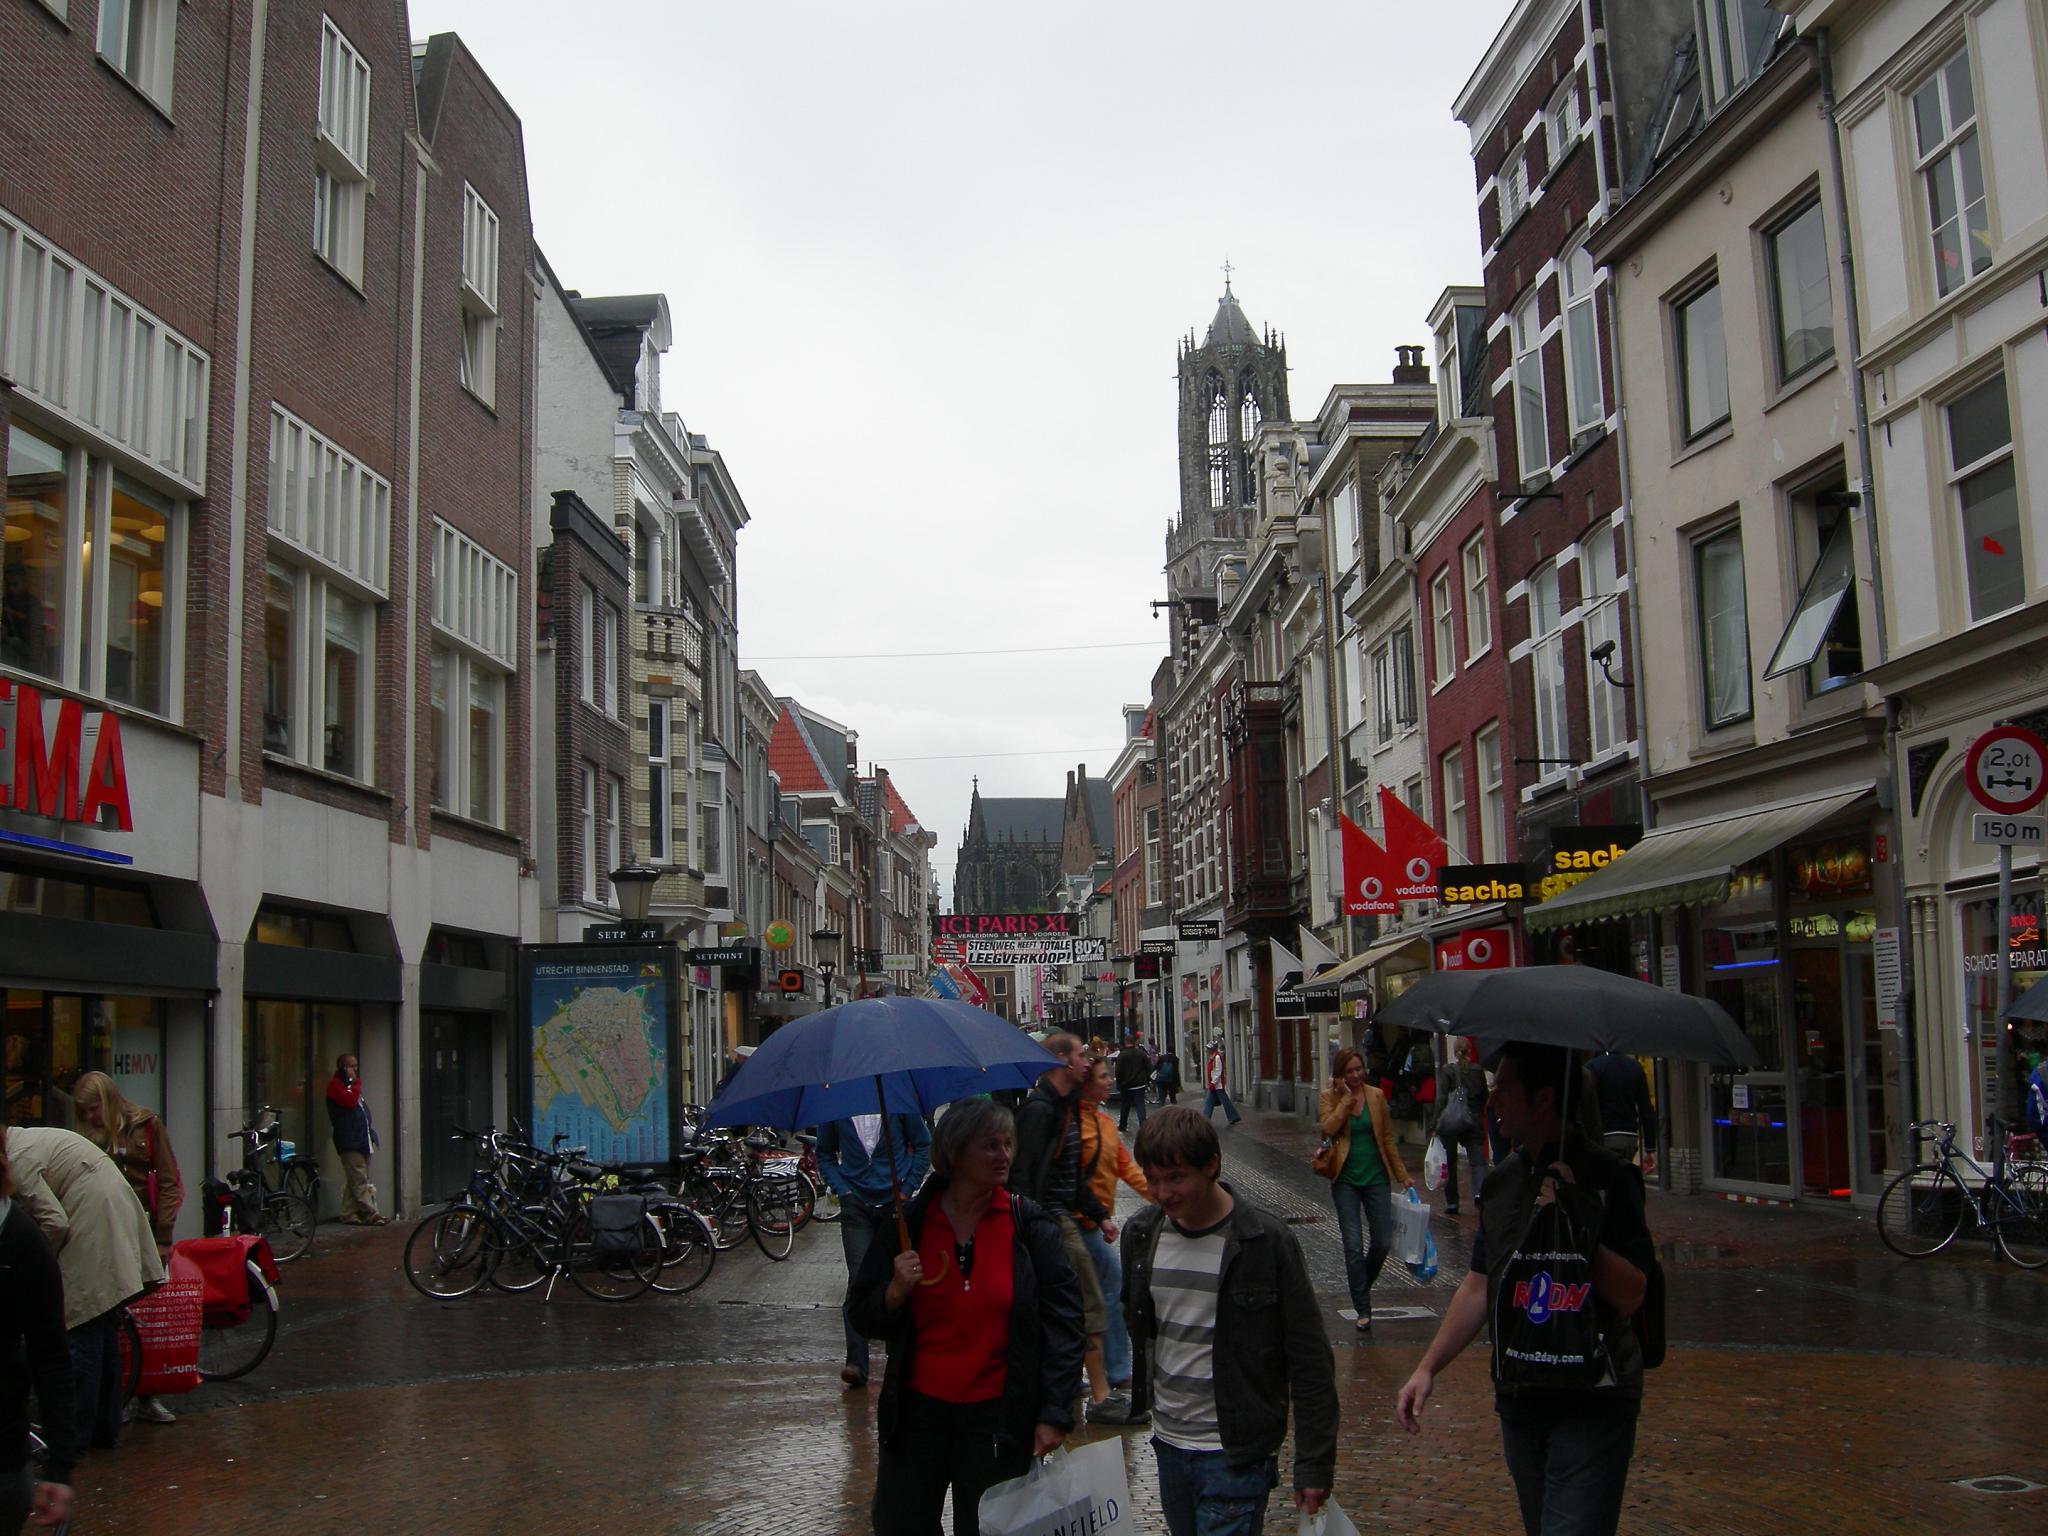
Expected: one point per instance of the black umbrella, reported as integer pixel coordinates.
(2031, 1004)
(1573, 1005)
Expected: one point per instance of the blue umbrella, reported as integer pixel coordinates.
(899, 1055)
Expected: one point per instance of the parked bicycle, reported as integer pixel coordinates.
(746, 1183)
(1922, 1209)
(268, 1195)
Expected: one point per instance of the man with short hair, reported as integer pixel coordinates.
(1226, 1332)
(1628, 1118)
(856, 1166)
(1047, 1168)
(1133, 1080)
(1567, 1446)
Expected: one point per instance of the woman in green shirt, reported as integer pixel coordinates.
(1353, 1114)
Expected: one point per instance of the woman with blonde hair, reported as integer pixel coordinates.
(138, 1143)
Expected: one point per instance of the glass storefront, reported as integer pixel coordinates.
(51, 1037)
(1750, 1138)
(1979, 918)
(288, 1053)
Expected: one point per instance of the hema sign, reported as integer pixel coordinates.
(63, 761)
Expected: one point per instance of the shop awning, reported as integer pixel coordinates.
(1680, 866)
(1363, 961)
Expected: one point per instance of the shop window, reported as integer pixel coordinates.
(445, 946)
(1722, 607)
(1738, 965)
(341, 146)
(288, 1052)
(2029, 951)
(1823, 636)
(301, 929)
(1951, 167)
(48, 1038)
(96, 901)
(1984, 481)
(139, 38)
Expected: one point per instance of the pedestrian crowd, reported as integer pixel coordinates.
(1015, 1307)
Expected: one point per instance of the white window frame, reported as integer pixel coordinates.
(305, 741)
(1407, 710)
(586, 649)
(1546, 670)
(1584, 392)
(475, 614)
(1344, 526)
(710, 811)
(614, 833)
(1959, 475)
(609, 650)
(341, 149)
(1154, 890)
(590, 851)
(138, 39)
(1493, 808)
(1532, 447)
(658, 836)
(1512, 182)
(479, 288)
(1561, 125)
(1447, 369)
(1600, 597)
(1941, 164)
(1443, 625)
(1452, 766)
(1478, 582)
(1728, 45)
(1383, 692)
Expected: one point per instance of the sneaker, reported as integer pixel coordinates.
(379, 1219)
(1116, 1409)
(151, 1410)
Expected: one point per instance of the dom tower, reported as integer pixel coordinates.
(1236, 378)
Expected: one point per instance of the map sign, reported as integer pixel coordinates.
(601, 1048)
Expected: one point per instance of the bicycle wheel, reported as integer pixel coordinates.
(773, 1214)
(131, 1357)
(2023, 1224)
(722, 1203)
(1921, 1211)
(301, 1178)
(232, 1350)
(687, 1251)
(288, 1222)
(448, 1254)
(523, 1250)
(612, 1277)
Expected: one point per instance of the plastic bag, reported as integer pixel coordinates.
(1435, 1163)
(1084, 1490)
(167, 1322)
(1411, 1229)
(1327, 1521)
(1426, 1270)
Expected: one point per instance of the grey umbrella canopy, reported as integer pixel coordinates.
(2030, 1004)
(1573, 1005)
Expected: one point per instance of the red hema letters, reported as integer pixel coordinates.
(42, 742)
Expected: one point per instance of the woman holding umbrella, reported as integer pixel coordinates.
(982, 1315)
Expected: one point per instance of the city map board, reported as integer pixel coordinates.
(601, 1024)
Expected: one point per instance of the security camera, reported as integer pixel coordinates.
(1603, 652)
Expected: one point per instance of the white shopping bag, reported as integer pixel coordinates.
(1327, 1521)
(1411, 1229)
(1434, 1164)
(1083, 1490)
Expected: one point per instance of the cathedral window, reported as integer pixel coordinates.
(1219, 444)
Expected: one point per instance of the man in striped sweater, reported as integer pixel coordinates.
(1226, 1332)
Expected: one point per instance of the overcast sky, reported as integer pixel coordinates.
(928, 265)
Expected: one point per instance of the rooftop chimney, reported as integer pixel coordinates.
(1410, 369)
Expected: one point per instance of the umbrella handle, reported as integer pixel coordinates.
(896, 1184)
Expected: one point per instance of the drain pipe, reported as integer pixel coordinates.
(1867, 513)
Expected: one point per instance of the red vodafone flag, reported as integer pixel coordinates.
(1368, 872)
(1414, 848)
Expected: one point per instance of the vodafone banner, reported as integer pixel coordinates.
(1368, 872)
(1477, 949)
(1413, 848)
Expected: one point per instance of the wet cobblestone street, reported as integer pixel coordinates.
(1815, 1384)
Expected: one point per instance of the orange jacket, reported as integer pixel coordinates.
(1105, 1159)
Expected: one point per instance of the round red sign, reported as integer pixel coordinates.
(2007, 770)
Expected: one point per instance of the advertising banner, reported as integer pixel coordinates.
(983, 925)
(1368, 873)
(602, 1026)
(1413, 847)
(1020, 951)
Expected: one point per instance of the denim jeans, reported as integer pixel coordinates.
(1202, 1494)
(1569, 1468)
(1133, 1098)
(1116, 1336)
(858, 1224)
(1363, 1263)
(1221, 1096)
(1474, 1145)
(96, 1378)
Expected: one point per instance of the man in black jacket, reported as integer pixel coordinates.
(1225, 1333)
(1048, 1170)
(1133, 1080)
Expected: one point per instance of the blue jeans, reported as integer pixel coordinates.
(858, 1224)
(1569, 1468)
(1202, 1494)
(1362, 1264)
(1221, 1096)
(1116, 1338)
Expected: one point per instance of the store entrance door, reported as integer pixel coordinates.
(455, 1091)
(1821, 1060)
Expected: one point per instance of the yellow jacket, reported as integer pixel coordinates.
(1105, 1159)
(1333, 1116)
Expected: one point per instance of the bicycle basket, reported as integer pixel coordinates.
(617, 1226)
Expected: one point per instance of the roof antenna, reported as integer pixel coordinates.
(1227, 269)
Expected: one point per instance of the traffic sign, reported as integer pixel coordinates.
(1995, 829)
(2007, 770)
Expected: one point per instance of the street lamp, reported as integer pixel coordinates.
(827, 942)
(634, 886)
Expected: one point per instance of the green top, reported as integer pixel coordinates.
(1364, 1167)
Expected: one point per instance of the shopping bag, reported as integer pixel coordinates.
(167, 1322)
(1068, 1491)
(1546, 1327)
(1426, 1270)
(1327, 1521)
(1411, 1229)
(1435, 1162)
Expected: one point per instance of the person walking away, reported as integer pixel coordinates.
(1226, 1335)
(1354, 1115)
(1134, 1066)
(982, 1314)
(1166, 1076)
(355, 1138)
(1047, 1169)
(1461, 1123)
(33, 1356)
(1628, 1120)
(855, 1167)
(105, 1251)
(1215, 1081)
(140, 1146)
(1105, 1160)
(1567, 1442)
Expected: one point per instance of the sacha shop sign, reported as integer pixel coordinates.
(61, 760)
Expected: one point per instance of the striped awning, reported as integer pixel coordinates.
(1685, 865)
(1356, 967)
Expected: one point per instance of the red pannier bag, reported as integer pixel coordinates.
(167, 1321)
(223, 1264)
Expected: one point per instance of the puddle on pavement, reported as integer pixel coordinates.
(1691, 1253)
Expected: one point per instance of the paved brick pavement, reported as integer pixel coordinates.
(1815, 1384)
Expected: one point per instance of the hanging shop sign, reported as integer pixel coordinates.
(63, 761)
(1482, 882)
(1576, 852)
(1478, 949)
(1145, 967)
(1822, 871)
(984, 925)
(1198, 930)
(778, 935)
(1162, 947)
(1088, 951)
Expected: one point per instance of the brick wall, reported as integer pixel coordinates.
(584, 733)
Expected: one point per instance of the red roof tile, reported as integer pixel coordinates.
(791, 759)
(900, 817)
